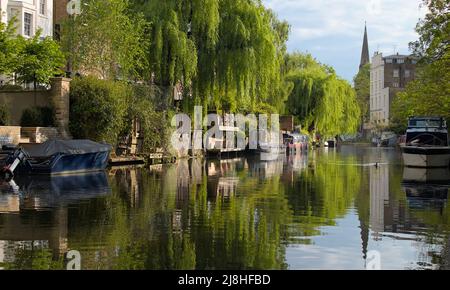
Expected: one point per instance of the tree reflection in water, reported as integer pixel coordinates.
(229, 214)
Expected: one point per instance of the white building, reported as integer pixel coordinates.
(3, 7)
(379, 197)
(31, 15)
(379, 94)
(388, 76)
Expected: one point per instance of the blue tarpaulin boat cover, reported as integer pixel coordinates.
(53, 147)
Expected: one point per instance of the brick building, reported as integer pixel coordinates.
(59, 15)
(388, 76)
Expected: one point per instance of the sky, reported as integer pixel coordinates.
(332, 30)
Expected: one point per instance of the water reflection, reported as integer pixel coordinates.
(324, 210)
(34, 217)
(406, 215)
(427, 175)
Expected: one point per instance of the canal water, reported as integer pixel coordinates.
(347, 208)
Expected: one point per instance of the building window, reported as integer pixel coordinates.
(395, 85)
(389, 60)
(42, 6)
(407, 73)
(27, 21)
(396, 73)
(400, 60)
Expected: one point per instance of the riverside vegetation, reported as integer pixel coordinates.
(141, 50)
(136, 52)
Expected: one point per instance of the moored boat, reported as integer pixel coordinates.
(56, 157)
(426, 143)
(272, 150)
(388, 139)
(296, 142)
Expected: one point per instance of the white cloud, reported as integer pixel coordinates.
(337, 26)
(322, 18)
(374, 7)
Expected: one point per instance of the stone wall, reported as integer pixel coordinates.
(16, 135)
(10, 135)
(39, 134)
(19, 101)
(57, 97)
(60, 100)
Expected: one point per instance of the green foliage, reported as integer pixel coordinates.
(9, 47)
(38, 117)
(106, 41)
(153, 124)
(33, 60)
(39, 60)
(4, 115)
(33, 259)
(362, 88)
(172, 54)
(98, 109)
(320, 100)
(197, 43)
(434, 32)
(245, 34)
(429, 94)
(104, 110)
(301, 61)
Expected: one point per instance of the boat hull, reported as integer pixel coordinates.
(391, 142)
(426, 157)
(62, 164)
(426, 175)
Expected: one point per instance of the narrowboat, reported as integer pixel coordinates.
(295, 142)
(427, 143)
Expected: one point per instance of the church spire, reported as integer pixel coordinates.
(365, 49)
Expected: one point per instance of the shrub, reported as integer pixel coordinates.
(4, 115)
(38, 117)
(142, 105)
(48, 116)
(98, 109)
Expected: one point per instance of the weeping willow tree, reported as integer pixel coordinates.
(227, 54)
(246, 57)
(172, 52)
(321, 100)
(106, 41)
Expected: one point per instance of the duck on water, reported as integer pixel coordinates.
(427, 143)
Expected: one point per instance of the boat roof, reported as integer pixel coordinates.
(427, 122)
(427, 118)
(295, 134)
(53, 147)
